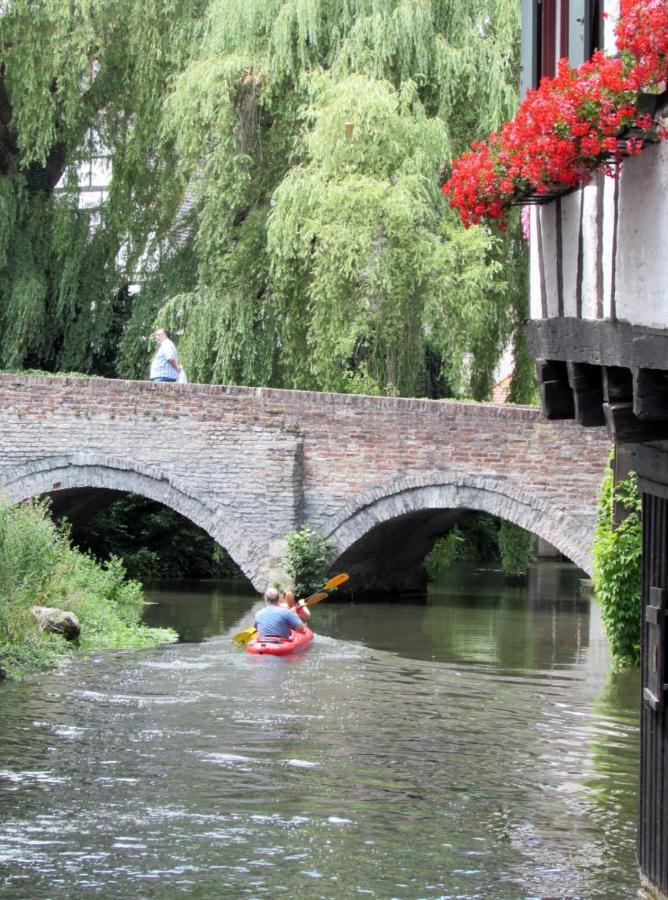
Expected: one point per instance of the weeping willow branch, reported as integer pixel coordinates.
(313, 135)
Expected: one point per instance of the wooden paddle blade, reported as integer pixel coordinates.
(330, 586)
(336, 581)
(314, 598)
(243, 637)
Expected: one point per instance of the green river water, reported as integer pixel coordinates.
(475, 746)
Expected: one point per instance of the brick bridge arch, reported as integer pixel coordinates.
(452, 491)
(91, 472)
(455, 493)
(375, 474)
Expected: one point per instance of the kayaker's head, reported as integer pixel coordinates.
(271, 595)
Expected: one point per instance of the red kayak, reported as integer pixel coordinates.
(278, 646)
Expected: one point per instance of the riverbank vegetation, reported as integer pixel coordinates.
(482, 538)
(39, 566)
(154, 541)
(307, 560)
(617, 554)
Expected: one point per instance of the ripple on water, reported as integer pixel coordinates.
(352, 768)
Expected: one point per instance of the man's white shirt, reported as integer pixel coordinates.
(160, 368)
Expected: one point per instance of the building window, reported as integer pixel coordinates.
(552, 29)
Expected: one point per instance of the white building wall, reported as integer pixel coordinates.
(613, 257)
(642, 259)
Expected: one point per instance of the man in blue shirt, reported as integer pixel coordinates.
(165, 363)
(275, 620)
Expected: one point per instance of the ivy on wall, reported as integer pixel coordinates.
(617, 560)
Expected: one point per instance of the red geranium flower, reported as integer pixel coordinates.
(569, 126)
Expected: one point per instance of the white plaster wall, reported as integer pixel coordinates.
(590, 252)
(570, 220)
(608, 244)
(612, 14)
(548, 219)
(642, 257)
(535, 299)
(640, 274)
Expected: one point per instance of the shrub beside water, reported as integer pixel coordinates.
(482, 538)
(38, 566)
(617, 554)
(307, 560)
(515, 548)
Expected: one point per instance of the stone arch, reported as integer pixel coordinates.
(571, 535)
(87, 469)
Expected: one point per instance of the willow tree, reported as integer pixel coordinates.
(80, 78)
(310, 138)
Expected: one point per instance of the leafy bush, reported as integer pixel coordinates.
(515, 546)
(617, 565)
(155, 542)
(38, 566)
(476, 538)
(307, 560)
(446, 550)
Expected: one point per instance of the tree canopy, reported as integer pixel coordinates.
(79, 79)
(276, 168)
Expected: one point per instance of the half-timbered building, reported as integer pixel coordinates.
(599, 331)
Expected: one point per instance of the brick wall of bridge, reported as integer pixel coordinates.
(250, 464)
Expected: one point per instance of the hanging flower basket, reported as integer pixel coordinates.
(578, 122)
(550, 193)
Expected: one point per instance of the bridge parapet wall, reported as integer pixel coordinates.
(257, 461)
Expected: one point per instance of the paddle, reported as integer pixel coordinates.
(243, 637)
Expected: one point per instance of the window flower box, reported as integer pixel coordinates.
(580, 121)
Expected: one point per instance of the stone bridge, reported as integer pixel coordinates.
(380, 477)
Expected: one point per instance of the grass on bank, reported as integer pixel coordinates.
(38, 566)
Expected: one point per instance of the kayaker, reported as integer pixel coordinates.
(275, 620)
(289, 601)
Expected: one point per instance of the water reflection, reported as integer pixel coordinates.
(474, 746)
(197, 609)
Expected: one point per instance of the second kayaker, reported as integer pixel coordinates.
(289, 601)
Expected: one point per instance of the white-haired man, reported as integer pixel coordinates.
(275, 620)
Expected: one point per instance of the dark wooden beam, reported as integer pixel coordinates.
(555, 392)
(598, 342)
(650, 393)
(625, 427)
(587, 383)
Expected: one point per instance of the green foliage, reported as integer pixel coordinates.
(515, 547)
(38, 566)
(78, 80)
(475, 538)
(153, 541)
(446, 551)
(311, 138)
(275, 168)
(617, 564)
(307, 560)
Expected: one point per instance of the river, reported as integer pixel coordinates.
(475, 746)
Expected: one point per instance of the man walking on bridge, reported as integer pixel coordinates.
(165, 363)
